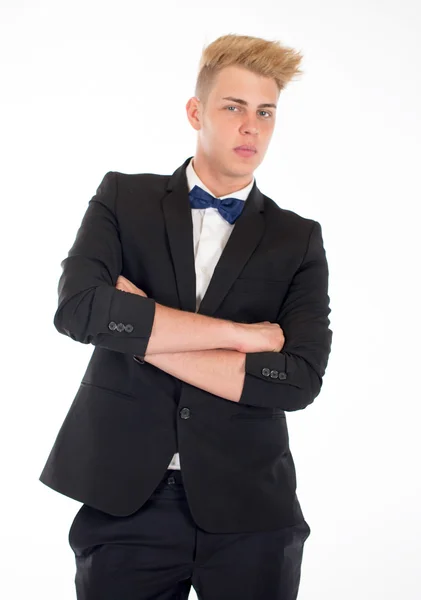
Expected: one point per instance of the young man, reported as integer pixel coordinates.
(208, 308)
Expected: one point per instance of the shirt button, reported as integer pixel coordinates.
(185, 413)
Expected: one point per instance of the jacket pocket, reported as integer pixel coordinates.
(259, 416)
(110, 390)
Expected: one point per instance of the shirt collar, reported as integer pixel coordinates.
(193, 179)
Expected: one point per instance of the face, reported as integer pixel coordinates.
(240, 110)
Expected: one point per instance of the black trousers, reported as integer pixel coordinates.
(159, 552)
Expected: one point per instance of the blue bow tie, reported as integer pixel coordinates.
(229, 208)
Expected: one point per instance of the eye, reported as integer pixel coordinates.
(261, 111)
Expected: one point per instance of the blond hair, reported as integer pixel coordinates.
(263, 57)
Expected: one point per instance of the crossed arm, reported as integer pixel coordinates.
(218, 371)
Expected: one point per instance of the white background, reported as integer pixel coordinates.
(94, 86)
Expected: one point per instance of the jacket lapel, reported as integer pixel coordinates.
(246, 235)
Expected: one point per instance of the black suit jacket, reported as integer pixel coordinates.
(127, 419)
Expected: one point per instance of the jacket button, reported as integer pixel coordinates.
(185, 413)
(266, 372)
(129, 327)
(112, 325)
(120, 327)
(274, 374)
(282, 375)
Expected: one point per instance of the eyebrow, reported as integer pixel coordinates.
(241, 101)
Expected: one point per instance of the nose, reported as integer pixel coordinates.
(250, 126)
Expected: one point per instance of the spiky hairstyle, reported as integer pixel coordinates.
(263, 57)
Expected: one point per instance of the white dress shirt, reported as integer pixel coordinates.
(210, 234)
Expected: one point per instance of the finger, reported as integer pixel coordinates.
(122, 279)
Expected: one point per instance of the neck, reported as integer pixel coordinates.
(219, 183)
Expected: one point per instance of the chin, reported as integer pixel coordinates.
(245, 165)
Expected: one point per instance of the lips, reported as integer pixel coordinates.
(245, 151)
(246, 147)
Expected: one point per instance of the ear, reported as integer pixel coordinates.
(193, 110)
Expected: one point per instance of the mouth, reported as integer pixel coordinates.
(246, 150)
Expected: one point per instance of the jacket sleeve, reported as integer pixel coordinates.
(90, 309)
(292, 378)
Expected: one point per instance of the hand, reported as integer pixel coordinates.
(260, 337)
(125, 285)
